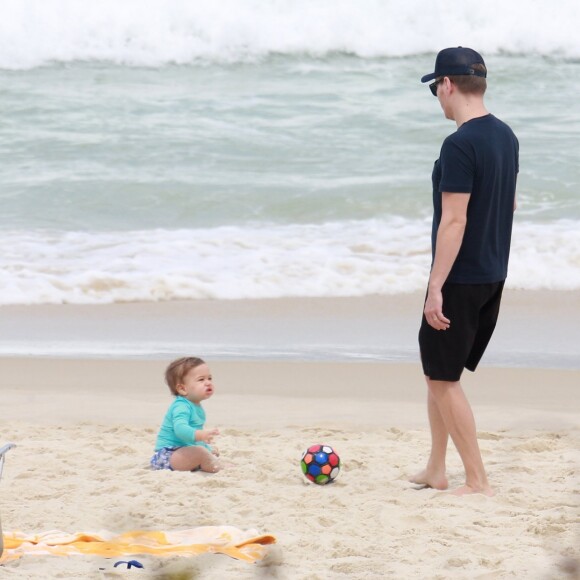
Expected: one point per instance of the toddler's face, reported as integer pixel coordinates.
(197, 384)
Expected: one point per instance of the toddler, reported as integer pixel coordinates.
(182, 443)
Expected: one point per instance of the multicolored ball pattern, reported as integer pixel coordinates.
(320, 464)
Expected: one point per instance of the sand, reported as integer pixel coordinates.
(85, 431)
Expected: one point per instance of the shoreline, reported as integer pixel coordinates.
(535, 328)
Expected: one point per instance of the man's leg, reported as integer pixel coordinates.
(434, 474)
(456, 413)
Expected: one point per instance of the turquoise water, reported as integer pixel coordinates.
(102, 147)
(180, 154)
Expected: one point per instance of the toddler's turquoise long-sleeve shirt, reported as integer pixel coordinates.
(182, 420)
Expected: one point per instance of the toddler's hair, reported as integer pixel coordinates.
(176, 371)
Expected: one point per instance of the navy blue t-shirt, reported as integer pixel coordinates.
(480, 158)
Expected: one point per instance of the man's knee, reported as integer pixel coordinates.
(440, 388)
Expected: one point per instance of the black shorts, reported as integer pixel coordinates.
(473, 310)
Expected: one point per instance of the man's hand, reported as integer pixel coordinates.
(434, 311)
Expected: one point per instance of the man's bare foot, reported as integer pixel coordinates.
(427, 479)
(468, 490)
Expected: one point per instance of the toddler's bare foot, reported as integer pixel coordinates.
(212, 466)
(217, 466)
(221, 465)
(428, 479)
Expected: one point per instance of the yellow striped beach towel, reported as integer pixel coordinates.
(246, 545)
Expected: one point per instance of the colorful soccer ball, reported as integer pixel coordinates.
(320, 464)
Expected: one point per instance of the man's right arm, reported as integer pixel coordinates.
(449, 239)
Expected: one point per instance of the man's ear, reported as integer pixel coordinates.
(451, 86)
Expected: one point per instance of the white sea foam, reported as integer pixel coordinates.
(157, 32)
(336, 259)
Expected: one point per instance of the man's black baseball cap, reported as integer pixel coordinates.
(456, 61)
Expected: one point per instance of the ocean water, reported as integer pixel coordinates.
(165, 150)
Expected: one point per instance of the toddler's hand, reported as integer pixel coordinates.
(206, 435)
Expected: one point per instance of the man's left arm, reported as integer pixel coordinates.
(449, 239)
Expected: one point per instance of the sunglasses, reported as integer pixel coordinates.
(433, 86)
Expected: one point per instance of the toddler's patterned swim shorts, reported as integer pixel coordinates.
(161, 458)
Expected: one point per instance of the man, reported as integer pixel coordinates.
(474, 183)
